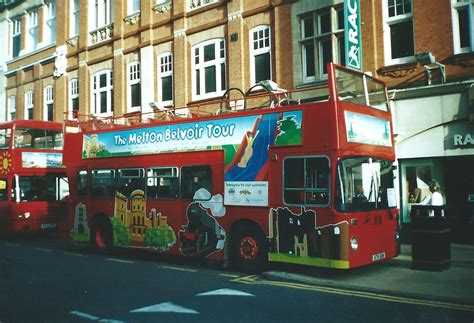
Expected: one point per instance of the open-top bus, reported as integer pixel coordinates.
(245, 185)
(33, 182)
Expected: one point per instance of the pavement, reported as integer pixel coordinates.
(396, 277)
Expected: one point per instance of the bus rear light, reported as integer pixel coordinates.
(354, 244)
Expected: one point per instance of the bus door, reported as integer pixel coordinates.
(298, 226)
(202, 205)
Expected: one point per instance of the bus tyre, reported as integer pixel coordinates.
(248, 249)
(101, 235)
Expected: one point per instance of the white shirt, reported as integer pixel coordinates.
(436, 199)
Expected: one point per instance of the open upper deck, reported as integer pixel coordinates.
(342, 86)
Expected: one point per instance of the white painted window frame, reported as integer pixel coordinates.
(32, 23)
(48, 99)
(50, 22)
(201, 66)
(74, 21)
(455, 7)
(132, 6)
(133, 77)
(165, 69)
(95, 93)
(387, 22)
(100, 13)
(260, 50)
(29, 104)
(73, 94)
(16, 32)
(11, 108)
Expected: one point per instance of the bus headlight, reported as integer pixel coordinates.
(27, 215)
(354, 243)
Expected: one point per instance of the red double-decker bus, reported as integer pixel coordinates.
(306, 179)
(33, 180)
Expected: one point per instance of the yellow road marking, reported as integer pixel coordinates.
(43, 249)
(120, 260)
(179, 268)
(73, 254)
(371, 295)
(229, 275)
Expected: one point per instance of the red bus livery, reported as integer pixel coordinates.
(305, 180)
(33, 179)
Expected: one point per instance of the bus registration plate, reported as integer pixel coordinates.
(48, 225)
(378, 256)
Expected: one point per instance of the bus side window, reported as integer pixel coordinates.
(130, 179)
(81, 182)
(103, 183)
(306, 180)
(162, 182)
(194, 178)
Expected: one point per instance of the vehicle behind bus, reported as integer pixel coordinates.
(33, 182)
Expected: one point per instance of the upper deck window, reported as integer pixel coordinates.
(38, 138)
(5, 138)
(360, 89)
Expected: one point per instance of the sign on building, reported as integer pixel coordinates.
(352, 34)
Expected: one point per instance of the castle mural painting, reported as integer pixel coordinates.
(296, 238)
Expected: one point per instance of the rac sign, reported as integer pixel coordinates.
(352, 34)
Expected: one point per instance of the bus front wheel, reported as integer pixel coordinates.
(248, 249)
(101, 235)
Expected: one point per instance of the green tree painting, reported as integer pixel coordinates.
(121, 234)
(161, 238)
(290, 132)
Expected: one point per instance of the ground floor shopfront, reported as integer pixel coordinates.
(434, 128)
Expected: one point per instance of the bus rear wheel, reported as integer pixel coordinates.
(248, 249)
(101, 236)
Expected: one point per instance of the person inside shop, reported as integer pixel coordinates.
(435, 199)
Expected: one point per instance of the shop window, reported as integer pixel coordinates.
(306, 181)
(417, 181)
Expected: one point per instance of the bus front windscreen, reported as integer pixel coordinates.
(364, 184)
(38, 138)
(49, 187)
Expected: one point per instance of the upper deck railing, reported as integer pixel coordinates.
(349, 86)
